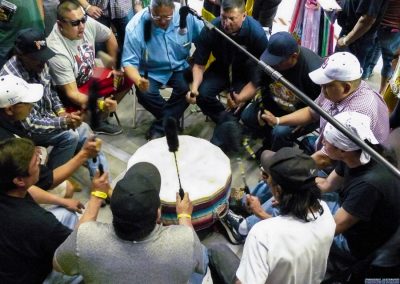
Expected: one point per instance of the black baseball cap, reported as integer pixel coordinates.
(289, 167)
(32, 42)
(281, 46)
(136, 197)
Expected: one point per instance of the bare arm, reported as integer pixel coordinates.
(299, 117)
(321, 159)
(93, 11)
(184, 209)
(344, 221)
(43, 197)
(71, 91)
(247, 93)
(99, 183)
(89, 150)
(112, 47)
(330, 183)
(362, 26)
(198, 72)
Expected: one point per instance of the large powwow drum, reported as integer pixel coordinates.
(205, 174)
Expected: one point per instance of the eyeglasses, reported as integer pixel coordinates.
(159, 18)
(76, 23)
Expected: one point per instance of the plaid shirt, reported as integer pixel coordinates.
(363, 100)
(117, 8)
(43, 118)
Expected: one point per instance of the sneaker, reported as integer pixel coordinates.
(231, 222)
(106, 128)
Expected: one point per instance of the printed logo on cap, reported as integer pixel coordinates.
(39, 44)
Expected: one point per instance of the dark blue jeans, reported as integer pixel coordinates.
(214, 82)
(174, 107)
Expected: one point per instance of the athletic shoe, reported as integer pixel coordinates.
(231, 223)
(106, 128)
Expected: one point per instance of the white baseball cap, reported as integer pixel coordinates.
(340, 66)
(14, 90)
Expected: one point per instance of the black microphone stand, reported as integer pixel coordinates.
(275, 75)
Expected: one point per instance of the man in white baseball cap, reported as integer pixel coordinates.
(342, 90)
(14, 90)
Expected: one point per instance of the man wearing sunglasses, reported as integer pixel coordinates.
(156, 50)
(73, 67)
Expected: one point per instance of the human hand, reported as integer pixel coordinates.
(191, 97)
(94, 12)
(100, 183)
(73, 205)
(184, 206)
(3, 16)
(74, 120)
(143, 84)
(253, 204)
(341, 42)
(110, 105)
(92, 147)
(269, 118)
(118, 78)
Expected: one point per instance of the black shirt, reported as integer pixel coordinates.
(29, 236)
(372, 194)
(277, 98)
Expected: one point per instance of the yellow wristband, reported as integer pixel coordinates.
(61, 110)
(183, 215)
(100, 194)
(100, 105)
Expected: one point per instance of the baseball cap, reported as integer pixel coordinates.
(33, 42)
(289, 167)
(14, 90)
(281, 45)
(136, 197)
(340, 66)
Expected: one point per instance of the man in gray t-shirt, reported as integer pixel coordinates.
(73, 67)
(135, 248)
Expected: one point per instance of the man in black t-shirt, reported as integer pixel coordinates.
(294, 63)
(359, 20)
(29, 234)
(368, 209)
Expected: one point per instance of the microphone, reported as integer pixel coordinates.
(171, 133)
(183, 12)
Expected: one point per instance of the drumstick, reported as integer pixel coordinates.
(171, 133)
(243, 174)
(146, 37)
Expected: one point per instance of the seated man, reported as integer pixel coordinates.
(16, 101)
(155, 54)
(294, 62)
(294, 246)
(72, 68)
(342, 90)
(29, 234)
(135, 244)
(231, 69)
(367, 212)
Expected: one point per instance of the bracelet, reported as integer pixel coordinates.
(183, 215)
(87, 8)
(100, 194)
(100, 105)
(277, 121)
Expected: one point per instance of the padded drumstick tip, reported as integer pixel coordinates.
(171, 133)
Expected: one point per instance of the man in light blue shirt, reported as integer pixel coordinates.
(155, 54)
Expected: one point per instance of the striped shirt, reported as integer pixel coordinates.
(43, 118)
(115, 9)
(363, 100)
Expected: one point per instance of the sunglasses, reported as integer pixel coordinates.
(76, 23)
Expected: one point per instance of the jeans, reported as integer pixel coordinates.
(85, 132)
(64, 145)
(214, 82)
(223, 263)
(386, 43)
(276, 137)
(153, 102)
(197, 278)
